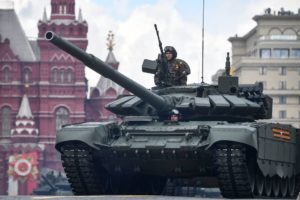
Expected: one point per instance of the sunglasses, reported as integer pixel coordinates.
(168, 48)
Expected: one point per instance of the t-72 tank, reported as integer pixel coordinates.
(208, 134)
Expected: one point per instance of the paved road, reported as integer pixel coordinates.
(129, 197)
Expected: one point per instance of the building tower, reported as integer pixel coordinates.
(106, 90)
(36, 76)
(270, 52)
(62, 85)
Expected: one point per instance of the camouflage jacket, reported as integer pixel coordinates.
(176, 74)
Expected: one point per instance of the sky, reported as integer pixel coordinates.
(179, 23)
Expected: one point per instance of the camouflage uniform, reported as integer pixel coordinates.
(177, 73)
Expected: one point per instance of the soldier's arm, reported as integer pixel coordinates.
(184, 68)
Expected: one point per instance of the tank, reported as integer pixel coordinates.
(52, 183)
(196, 135)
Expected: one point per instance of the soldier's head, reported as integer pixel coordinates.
(170, 52)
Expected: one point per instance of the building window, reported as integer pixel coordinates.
(62, 32)
(265, 53)
(282, 71)
(280, 53)
(282, 114)
(282, 99)
(27, 73)
(55, 75)
(6, 121)
(5, 77)
(62, 75)
(295, 53)
(69, 75)
(283, 37)
(262, 70)
(282, 85)
(62, 117)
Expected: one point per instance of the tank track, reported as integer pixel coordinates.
(232, 171)
(79, 167)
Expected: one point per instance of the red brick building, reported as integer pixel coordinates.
(42, 88)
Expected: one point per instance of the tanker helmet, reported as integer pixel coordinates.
(172, 50)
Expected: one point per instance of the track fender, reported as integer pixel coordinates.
(233, 133)
(90, 133)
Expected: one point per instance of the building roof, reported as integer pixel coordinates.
(35, 48)
(11, 28)
(245, 37)
(111, 59)
(25, 110)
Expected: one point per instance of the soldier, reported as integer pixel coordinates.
(177, 69)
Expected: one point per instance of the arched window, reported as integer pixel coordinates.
(62, 75)
(6, 121)
(55, 75)
(65, 9)
(27, 74)
(61, 117)
(95, 93)
(5, 77)
(60, 9)
(111, 92)
(69, 76)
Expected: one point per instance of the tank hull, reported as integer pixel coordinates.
(153, 152)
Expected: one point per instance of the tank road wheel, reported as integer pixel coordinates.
(283, 186)
(83, 175)
(291, 186)
(260, 181)
(252, 171)
(276, 185)
(268, 186)
(233, 171)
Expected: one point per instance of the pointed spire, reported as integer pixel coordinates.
(24, 123)
(80, 19)
(45, 15)
(25, 110)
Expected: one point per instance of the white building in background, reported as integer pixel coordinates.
(270, 53)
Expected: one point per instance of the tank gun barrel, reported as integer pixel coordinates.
(105, 70)
(48, 183)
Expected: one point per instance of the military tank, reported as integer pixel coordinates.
(52, 183)
(207, 133)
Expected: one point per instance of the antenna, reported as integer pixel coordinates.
(202, 43)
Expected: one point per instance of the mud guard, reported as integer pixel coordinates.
(90, 133)
(232, 133)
